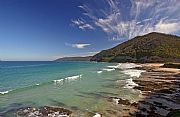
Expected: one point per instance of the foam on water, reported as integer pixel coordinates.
(105, 69)
(68, 73)
(5, 92)
(116, 100)
(68, 78)
(99, 72)
(127, 65)
(133, 72)
(57, 81)
(130, 84)
(73, 77)
(97, 115)
(113, 66)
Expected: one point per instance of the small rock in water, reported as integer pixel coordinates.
(120, 101)
(45, 111)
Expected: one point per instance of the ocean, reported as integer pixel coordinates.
(83, 87)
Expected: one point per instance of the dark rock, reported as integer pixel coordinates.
(124, 102)
(143, 109)
(152, 108)
(157, 103)
(43, 111)
(135, 104)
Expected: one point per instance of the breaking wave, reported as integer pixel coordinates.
(4, 92)
(133, 72)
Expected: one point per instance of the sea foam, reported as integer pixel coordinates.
(113, 66)
(105, 69)
(97, 115)
(133, 72)
(130, 84)
(127, 65)
(5, 92)
(73, 77)
(99, 72)
(70, 78)
(58, 81)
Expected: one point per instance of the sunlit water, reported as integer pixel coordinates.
(79, 86)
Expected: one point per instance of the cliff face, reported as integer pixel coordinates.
(87, 58)
(153, 47)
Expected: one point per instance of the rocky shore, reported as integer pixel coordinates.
(159, 96)
(45, 111)
(159, 93)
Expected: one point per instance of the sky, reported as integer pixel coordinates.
(49, 29)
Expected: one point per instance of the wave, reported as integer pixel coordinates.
(133, 72)
(99, 72)
(127, 68)
(37, 84)
(105, 69)
(73, 77)
(127, 65)
(113, 66)
(68, 79)
(45, 83)
(130, 84)
(4, 92)
(58, 81)
(20, 89)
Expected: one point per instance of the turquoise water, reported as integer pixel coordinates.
(85, 86)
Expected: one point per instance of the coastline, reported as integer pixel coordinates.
(157, 89)
(160, 91)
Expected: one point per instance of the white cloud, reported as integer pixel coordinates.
(82, 25)
(140, 17)
(167, 27)
(78, 45)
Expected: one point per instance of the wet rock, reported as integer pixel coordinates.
(166, 91)
(135, 104)
(120, 101)
(174, 113)
(124, 102)
(111, 112)
(157, 103)
(152, 108)
(143, 109)
(45, 111)
(143, 88)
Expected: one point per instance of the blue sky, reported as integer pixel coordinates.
(48, 29)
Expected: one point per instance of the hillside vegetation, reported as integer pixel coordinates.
(153, 47)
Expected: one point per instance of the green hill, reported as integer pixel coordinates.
(153, 47)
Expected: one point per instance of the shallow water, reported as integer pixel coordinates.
(79, 86)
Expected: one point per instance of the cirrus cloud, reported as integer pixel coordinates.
(130, 18)
(82, 25)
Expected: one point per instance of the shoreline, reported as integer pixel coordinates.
(159, 95)
(160, 90)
